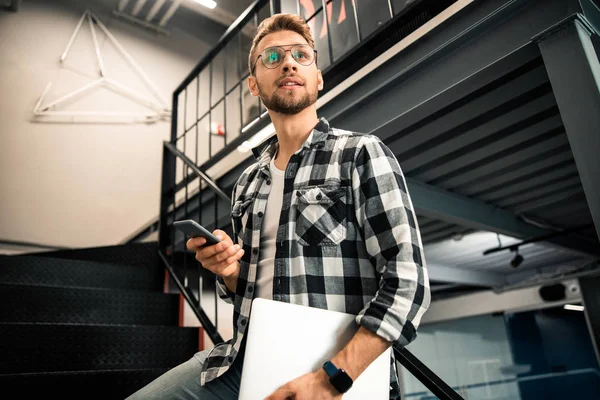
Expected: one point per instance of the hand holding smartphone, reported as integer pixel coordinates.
(194, 229)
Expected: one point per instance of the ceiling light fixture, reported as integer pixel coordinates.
(515, 262)
(573, 307)
(207, 3)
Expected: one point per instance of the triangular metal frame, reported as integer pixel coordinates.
(160, 108)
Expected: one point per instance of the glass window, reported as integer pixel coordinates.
(203, 91)
(340, 16)
(371, 15)
(217, 128)
(289, 6)
(246, 37)
(218, 79)
(234, 116)
(308, 8)
(321, 39)
(191, 103)
(472, 355)
(399, 6)
(264, 13)
(250, 106)
(232, 62)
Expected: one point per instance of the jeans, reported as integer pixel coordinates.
(183, 382)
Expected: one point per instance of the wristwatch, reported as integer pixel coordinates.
(338, 377)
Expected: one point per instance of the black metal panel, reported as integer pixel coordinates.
(89, 385)
(49, 304)
(590, 292)
(139, 254)
(477, 37)
(30, 347)
(32, 270)
(573, 67)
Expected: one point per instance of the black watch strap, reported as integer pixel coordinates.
(338, 377)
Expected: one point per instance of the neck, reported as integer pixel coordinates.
(292, 131)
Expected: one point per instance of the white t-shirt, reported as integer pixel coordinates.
(268, 235)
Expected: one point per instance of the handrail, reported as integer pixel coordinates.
(207, 325)
(197, 170)
(426, 376)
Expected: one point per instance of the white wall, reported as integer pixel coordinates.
(80, 185)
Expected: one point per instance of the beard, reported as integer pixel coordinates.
(286, 103)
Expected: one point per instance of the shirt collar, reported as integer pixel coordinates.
(265, 151)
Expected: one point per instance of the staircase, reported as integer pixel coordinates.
(90, 323)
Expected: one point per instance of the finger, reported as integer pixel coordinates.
(209, 251)
(233, 267)
(222, 259)
(194, 243)
(281, 394)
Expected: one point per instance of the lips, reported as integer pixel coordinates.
(290, 82)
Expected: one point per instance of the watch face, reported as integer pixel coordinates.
(342, 381)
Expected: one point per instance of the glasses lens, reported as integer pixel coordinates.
(272, 56)
(303, 54)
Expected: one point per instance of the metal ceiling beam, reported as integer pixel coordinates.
(122, 5)
(437, 203)
(138, 7)
(217, 14)
(154, 10)
(574, 70)
(439, 273)
(169, 13)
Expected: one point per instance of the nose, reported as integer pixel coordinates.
(288, 63)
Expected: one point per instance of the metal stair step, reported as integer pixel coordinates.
(53, 304)
(34, 270)
(142, 254)
(101, 385)
(31, 347)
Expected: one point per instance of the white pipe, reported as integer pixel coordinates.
(39, 102)
(132, 62)
(123, 4)
(77, 92)
(133, 95)
(155, 7)
(96, 46)
(138, 7)
(95, 113)
(64, 54)
(169, 12)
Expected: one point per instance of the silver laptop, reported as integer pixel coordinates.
(286, 341)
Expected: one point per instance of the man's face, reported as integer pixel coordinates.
(273, 85)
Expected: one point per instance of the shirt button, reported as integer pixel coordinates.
(319, 196)
(260, 214)
(254, 251)
(243, 321)
(250, 289)
(268, 181)
(230, 359)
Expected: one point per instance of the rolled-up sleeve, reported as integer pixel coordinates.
(386, 217)
(224, 293)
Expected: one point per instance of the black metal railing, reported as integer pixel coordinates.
(213, 113)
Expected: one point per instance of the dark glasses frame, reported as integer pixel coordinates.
(291, 47)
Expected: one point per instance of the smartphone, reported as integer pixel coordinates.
(194, 229)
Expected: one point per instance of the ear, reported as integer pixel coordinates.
(319, 80)
(253, 85)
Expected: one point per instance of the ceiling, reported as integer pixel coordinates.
(159, 13)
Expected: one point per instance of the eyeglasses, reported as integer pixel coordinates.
(272, 57)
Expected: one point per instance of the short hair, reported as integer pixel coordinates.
(276, 23)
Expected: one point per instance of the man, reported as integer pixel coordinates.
(322, 219)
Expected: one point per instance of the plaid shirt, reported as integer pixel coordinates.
(347, 240)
